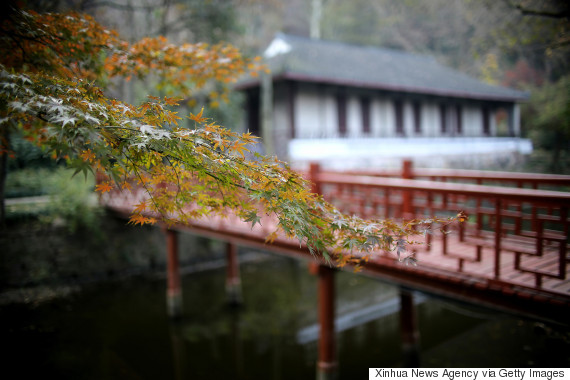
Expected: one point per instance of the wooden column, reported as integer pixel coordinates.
(409, 330)
(174, 289)
(327, 364)
(267, 114)
(233, 280)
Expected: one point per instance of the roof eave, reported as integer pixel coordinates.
(254, 82)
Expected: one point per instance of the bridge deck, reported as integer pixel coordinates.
(484, 268)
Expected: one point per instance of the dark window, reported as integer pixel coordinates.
(443, 118)
(486, 125)
(253, 122)
(365, 110)
(341, 113)
(399, 110)
(459, 120)
(417, 107)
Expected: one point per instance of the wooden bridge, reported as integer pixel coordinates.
(511, 255)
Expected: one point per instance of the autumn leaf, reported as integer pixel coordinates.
(87, 155)
(140, 207)
(140, 219)
(198, 118)
(104, 187)
(240, 148)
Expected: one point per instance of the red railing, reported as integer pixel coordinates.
(479, 177)
(511, 233)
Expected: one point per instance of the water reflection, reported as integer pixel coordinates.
(120, 330)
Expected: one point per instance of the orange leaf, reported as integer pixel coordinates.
(104, 187)
(137, 219)
(87, 155)
(140, 207)
(240, 148)
(198, 118)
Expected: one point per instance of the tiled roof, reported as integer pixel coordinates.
(312, 60)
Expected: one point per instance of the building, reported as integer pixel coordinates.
(351, 106)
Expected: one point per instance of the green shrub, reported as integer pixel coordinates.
(69, 200)
(29, 182)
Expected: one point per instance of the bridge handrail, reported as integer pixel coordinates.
(516, 224)
(529, 195)
(478, 176)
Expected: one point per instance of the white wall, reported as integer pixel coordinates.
(316, 115)
(431, 123)
(472, 121)
(382, 118)
(329, 115)
(362, 153)
(307, 121)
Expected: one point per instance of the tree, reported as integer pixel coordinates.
(548, 121)
(52, 89)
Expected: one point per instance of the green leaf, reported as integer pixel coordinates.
(253, 218)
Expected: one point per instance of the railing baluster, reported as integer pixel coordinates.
(407, 194)
(444, 229)
(431, 214)
(562, 251)
(387, 203)
(498, 234)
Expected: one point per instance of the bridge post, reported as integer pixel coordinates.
(174, 289)
(233, 280)
(314, 169)
(409, 330)
(406, 194)
(327, 364)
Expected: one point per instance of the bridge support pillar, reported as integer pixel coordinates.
(409, 330)
(233, 280)
(327, 365)
(174, 289)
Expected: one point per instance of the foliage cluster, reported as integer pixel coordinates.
(51, 90)
(548, 121)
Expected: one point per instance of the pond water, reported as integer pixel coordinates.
(119, 330)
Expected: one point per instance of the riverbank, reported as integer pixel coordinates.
(41, 261)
